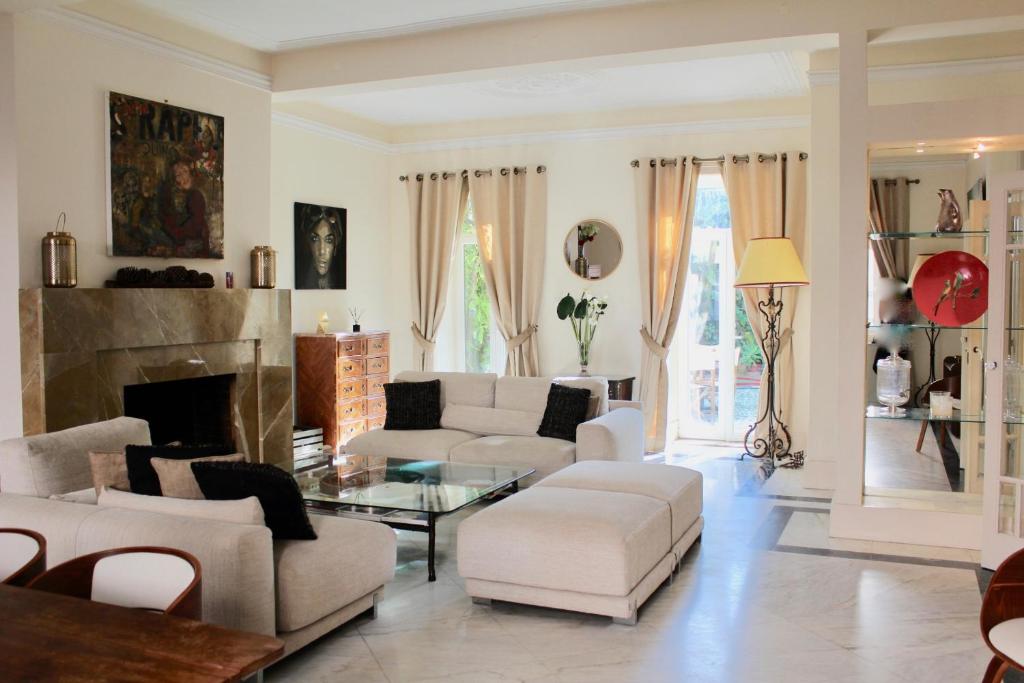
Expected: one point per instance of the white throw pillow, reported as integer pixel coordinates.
(85, 496)
(490, 421)
(243, 511)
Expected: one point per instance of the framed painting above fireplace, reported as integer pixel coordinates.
(165, 180)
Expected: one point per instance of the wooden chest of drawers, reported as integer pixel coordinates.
(340, 382)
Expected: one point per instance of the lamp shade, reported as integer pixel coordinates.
(771, 262)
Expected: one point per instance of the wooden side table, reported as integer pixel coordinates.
(620, 387)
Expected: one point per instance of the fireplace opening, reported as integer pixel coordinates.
(192, 411)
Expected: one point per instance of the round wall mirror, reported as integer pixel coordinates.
(592, 249)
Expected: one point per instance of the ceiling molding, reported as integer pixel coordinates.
(155, 46)
(884, 164)
(909, 72)
(237, 34)
(332, 132)
(617, 133)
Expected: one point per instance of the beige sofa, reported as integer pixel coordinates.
(296, 590)
(513, 404)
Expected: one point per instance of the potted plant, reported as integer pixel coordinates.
(583, 315)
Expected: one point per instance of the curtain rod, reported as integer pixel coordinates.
(892, 181)
(516, 170)
(736, 158)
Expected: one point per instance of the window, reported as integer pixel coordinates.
(468, 340)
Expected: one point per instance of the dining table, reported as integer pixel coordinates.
(52, 637)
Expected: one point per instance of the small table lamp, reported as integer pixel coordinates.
(771, 262)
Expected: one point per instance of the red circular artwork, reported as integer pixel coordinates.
(951, 288)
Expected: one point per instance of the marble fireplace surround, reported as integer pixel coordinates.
(81, 347)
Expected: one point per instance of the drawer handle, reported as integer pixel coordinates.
(348, 389)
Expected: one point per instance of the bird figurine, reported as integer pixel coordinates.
(951, 292)
(950, 219)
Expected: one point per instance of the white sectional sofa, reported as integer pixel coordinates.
(296, 590)
(502, 434)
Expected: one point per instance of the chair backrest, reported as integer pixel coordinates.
(22, 556)
(162, 579)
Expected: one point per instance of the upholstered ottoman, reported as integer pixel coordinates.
(597, 537)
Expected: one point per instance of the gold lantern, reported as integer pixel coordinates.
(60, 258)
(263, 262)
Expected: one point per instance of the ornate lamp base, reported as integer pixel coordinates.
(768, 439)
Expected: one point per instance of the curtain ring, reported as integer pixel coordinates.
(542, 169)
(504, 171)
(419, 177)
(433, 176)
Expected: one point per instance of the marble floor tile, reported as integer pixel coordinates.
(737, 611)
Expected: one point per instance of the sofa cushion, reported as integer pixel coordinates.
(109, 469)
(58, 462)
(598, 387)
(531, 393)
(242, 511)
(477, 420)
(426, 444)
(349, 559)
(539, 452)
(87, 496)
(176, 478)
(141, 475)
(566, 539)
(283, 507)
(57, 521)
(565, 411)
(413, 405)
(682, 489)
(464, 388)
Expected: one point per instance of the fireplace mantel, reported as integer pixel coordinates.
(81, 347)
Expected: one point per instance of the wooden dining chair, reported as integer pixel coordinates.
(22, 556)
(160, 579)
(1002, 618)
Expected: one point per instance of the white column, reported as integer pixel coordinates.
(10, 356)
(851, 303)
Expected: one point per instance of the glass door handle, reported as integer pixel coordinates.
(991, 365)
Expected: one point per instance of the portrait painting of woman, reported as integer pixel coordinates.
(319, 247)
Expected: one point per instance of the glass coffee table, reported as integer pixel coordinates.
(402, 493)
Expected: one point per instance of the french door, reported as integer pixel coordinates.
(1003, 516)
(719, 363)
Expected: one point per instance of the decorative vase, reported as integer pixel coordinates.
(893, 383)
(581, 265)
(356, 327)
(60, 256)
(583, 370)
(950, 219)
(263, 264)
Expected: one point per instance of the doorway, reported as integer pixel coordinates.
(717, 357)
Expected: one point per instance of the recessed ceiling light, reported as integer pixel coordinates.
(981, 146)
(976, 155)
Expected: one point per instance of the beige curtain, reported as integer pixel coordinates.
(666, 191)
(510, 206)
(437, 203)
(768, 198)
(890, 212)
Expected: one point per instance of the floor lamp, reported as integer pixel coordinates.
(770, 262)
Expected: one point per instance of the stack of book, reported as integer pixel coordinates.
(308, 448)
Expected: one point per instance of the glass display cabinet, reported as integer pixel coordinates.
(1003, 527)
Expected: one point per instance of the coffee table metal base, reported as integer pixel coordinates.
(399, 519)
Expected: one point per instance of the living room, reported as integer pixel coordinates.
(429, 231)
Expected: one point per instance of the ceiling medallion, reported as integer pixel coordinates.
(539, 85)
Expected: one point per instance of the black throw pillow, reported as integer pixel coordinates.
(413, 405)
(283, 509)
(566, 409)
(141, 475)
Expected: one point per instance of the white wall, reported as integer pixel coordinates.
(63, 76)
(312, 168)
(586, 179)
(10, 365)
